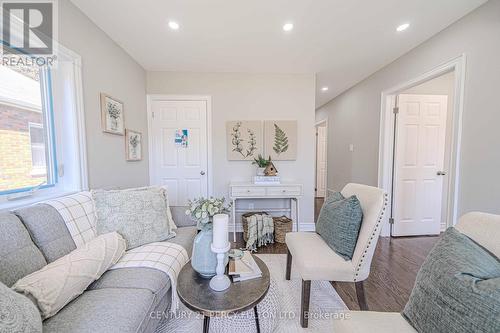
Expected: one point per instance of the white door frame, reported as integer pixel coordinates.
(160, 97)
(325, 121)
(386, 146)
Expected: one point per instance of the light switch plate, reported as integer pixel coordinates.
(351, 147)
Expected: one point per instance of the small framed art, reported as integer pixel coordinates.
(112, 115)
(133, 145)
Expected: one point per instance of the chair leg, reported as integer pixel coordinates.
(288, 265)
(360, 293)
(306, 296)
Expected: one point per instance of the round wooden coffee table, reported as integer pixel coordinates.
(195, 293)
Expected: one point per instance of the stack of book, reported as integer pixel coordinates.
(244, 268)
(269, 180)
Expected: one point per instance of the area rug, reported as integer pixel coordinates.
(325, 307)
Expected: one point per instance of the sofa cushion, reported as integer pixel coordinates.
(59, 282)
(140, 215)
(457, 288)
(147, 278)
(18, 255)
(48, 230)
(17, 313)
(185, 237)
(338, 224)
(106, 310)
(156, 281)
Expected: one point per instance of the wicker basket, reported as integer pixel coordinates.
(244, 222)
(282, 225)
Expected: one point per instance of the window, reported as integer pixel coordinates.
(38, 157)
(26, 140)
(42, 131)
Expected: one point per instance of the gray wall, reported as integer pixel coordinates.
(354, 116)
(106, 68)
(238, 96)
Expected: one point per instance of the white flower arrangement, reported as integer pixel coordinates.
(202, 210)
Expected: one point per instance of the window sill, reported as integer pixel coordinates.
(6, 205)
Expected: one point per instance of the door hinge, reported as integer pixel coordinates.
(395, 110)
(152, 114)
(391, 220)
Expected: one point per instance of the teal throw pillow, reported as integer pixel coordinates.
(339, 223)
(457, 288)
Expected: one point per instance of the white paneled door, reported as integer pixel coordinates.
(419, 162)
(179, 164)
(321, 161)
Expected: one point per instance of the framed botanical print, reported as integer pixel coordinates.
(133, 145)
(244, 140)
(280, 137)
(112, 115)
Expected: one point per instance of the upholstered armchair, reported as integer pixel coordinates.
(315, 260)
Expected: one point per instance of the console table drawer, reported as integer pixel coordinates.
(284, 190)
(248, 191)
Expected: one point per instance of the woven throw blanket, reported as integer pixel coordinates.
(164, 256)
(260, 231)
(78, 213)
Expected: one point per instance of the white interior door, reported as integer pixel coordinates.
(183, 169)
(321, 137)
(419, 161)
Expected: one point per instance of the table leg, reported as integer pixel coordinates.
(206, 324)
(256, 319)
(297, 213)
(234, 220)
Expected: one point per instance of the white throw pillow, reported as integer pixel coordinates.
(61, 281)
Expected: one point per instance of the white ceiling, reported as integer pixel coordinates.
(342, 41)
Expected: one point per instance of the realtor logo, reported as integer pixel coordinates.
(28, 27)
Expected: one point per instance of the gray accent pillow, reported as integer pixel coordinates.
(335, 196)
(139, 215)
(17, 313)
(339, 222)
(457, 288)
(18, 255)
(48, 230)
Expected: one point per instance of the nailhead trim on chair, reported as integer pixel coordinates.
(381, 215)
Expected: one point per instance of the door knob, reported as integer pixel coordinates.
(202, 173)
(441, 173)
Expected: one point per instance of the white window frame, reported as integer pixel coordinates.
(36, 170)
(68, 124)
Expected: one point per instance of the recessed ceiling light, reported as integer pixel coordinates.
(288, 27)
(324, 89)
(403, 27)
(173, 25)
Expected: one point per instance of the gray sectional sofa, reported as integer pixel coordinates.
(122, 300)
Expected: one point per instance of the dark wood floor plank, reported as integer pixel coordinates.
(394, 268)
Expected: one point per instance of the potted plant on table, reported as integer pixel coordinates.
(202, 210)
(261, 164)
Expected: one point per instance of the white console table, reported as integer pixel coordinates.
(247, 191)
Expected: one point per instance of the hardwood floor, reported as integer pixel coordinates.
(394, 268)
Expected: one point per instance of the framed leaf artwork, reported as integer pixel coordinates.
(112, 115)
(133, 145)
(244, 140)
(280, 139)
